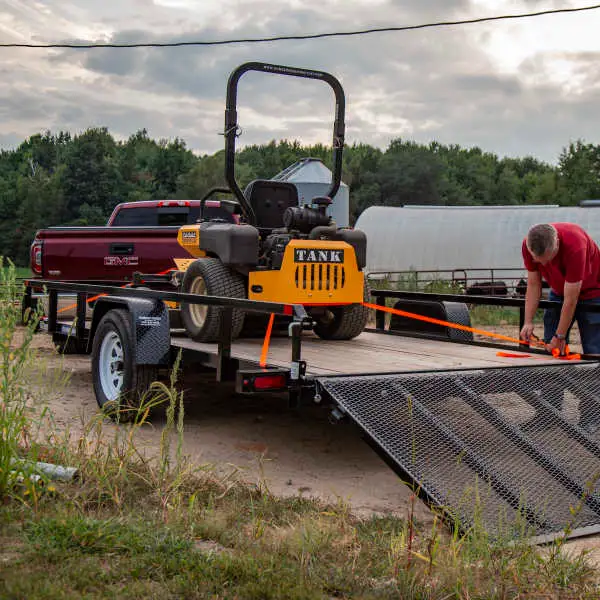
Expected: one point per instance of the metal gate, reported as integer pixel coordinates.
(512, 450)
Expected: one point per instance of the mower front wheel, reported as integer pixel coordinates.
(210, 277)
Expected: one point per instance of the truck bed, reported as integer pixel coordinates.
(371, 353)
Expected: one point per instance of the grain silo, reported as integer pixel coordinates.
(312, 178)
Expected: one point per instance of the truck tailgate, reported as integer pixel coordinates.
(107, 253)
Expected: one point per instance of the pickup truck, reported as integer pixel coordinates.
(139, 236)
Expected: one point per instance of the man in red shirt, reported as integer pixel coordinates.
(569, 260)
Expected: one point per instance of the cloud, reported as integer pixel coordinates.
(436, 84)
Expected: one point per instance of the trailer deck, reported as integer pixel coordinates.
(370, 352)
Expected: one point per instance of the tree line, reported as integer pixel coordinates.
(63, 179)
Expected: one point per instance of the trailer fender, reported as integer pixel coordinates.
(149, 321)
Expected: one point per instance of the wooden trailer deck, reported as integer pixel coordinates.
(371, 353)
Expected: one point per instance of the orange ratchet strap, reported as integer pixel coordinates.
(498, 336)
(267, 340)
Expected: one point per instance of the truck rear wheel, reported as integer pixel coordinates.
(343, 322)
(210, 277)
(119, 382)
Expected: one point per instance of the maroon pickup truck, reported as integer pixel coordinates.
(139, 236)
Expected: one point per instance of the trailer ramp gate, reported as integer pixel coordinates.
(507, 449)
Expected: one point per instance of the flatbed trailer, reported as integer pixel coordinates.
(499, 442)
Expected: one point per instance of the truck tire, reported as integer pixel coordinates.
(210, 277)
(345, 322)
(119, 382)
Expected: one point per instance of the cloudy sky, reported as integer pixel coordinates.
(517, 88)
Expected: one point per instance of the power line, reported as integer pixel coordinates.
(311, 36)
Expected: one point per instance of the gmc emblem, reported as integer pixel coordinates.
(302, 255)
(121, 261)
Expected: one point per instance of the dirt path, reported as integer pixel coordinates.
(292, 452)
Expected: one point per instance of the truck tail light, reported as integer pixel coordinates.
(164, 203)
(36, 256)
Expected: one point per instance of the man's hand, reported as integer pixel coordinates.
(527, 332)
(560, 345)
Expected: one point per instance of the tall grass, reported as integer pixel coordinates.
(16, 358)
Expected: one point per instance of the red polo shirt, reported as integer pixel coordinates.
(578, 259)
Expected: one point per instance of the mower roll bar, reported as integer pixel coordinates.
(231, 125)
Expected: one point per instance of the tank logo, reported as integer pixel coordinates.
(318, 256)
(121, 261)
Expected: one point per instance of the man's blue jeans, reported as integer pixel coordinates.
(589, 331)
(587, 321)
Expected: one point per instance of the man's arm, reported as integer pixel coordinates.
(532, 301)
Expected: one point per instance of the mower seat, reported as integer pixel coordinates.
(269, 200)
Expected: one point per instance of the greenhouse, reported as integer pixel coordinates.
(470, 238)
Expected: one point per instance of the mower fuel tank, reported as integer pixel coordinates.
(358, 240)
(233, 244)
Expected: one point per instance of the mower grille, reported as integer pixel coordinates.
(511, 450)
(320, 277)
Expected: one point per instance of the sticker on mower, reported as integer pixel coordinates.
(189, 237)
(318, 256)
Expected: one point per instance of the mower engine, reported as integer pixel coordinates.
(300, 223)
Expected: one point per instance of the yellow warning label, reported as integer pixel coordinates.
(183, 263)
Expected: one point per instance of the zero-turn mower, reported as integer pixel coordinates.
(276, 250)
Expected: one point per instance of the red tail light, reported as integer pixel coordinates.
(36, 256)
(270, 382)
(263, 380)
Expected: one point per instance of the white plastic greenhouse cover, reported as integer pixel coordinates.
(427, 238)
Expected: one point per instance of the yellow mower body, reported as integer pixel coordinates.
(312, 273)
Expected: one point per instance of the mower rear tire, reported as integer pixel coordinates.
(344, 322)
(210, 277)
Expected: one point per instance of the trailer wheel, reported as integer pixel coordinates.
(119, 382)
(210, 277)
(343, 322)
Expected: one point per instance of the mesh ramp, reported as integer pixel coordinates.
(510, 449)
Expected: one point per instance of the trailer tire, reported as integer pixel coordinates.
(210, 277)
(118, 393)
(346, 322)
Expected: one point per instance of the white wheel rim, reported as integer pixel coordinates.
(111, 366)
(198, 311)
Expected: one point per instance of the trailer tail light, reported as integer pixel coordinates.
(264, 380)
(36, 257)
(168, 203)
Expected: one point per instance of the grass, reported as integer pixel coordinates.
(19, 272)
(134, 527)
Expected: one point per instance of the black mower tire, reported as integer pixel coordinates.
(219, 280)
(347, 323)
(137, 379)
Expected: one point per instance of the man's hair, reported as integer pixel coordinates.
(541, 238)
